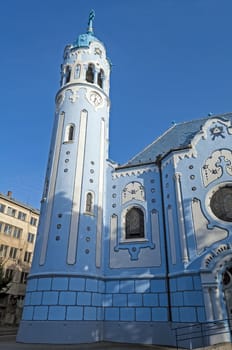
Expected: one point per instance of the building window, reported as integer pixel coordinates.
(8, 229)
(22, 216)
(13, 253)
(69, 133)
(1, 226)
(77, 71)
(27, 257)
(2, 208)
(67, 74)
(90, 73)
(3, 250)
(30, 237)
(17, 232)
(134, 223)
(100, 78)
(23, 277)
(33, 221)
(89, 203)
(11, 211)
(9, 274)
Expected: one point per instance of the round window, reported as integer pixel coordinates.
(221, 203)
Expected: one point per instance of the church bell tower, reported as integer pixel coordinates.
(68, 256)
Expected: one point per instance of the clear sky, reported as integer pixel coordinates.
(172, 61)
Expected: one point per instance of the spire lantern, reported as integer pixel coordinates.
(84, 40)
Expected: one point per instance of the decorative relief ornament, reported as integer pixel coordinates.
(72, 96)
(217, 131)
(98, 51)
(134, 190)
(95, 99)
(215, 164)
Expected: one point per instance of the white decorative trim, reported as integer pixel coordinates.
(172, 235)
(51, 192)
(183, 244)
(208, 303)
(77, 191)
(134, 172)
(205, 237)
(100, 195)
(155, 228)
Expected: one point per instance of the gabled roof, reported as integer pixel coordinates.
(179, 136)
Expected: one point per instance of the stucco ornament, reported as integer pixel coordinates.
(95, 99)
(213, 168)
(133, 190)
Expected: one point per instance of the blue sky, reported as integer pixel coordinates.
(172, 61)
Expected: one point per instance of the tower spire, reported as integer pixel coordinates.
(90, 22)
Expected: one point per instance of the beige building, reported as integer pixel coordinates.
(18, 228)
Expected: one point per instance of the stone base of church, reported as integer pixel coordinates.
(60, 332)
(79, 332)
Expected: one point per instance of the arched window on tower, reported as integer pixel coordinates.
(67, 74)
(100, 78)
(69, 133)
(89, 203)
(134, 223)
(77, 71)
(90, 73)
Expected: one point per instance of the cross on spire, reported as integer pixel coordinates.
(90, 22)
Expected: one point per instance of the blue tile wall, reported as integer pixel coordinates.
(143, 314)
(44, 283)
(77, 284)
(126, 300)
(27, 313)
(60, 283)
(127, 314)
(90, 313)
(50, 298)
(36, 298)
(112, 314)
(112, 287)
(91, 285)
(84, 298)
(67, 298)
(74, 313)
(160, 314)
(40, 313)
(57, 313)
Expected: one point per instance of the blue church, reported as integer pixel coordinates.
(136, 253)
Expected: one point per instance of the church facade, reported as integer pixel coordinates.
(138, 253)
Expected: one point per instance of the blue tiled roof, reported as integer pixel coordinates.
(177, 137)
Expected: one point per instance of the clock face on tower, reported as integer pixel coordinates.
(133, 190)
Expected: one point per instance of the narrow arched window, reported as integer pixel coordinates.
(134, 223)
(69, 133)
(100, 78)
(67, 74)
(90, 73)
(77, 71)
(89, 202)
